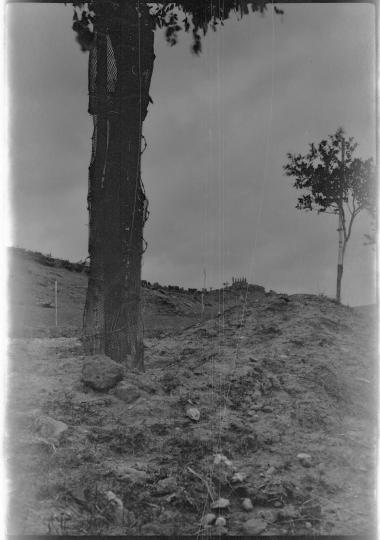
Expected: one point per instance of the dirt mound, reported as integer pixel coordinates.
(271, 380)
(166, 309)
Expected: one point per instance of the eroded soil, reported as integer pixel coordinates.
(272, 378)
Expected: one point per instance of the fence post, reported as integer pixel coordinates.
(56, 301)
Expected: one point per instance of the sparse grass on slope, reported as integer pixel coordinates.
(295, 374)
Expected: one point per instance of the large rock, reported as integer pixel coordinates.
(100, 372)
(49, 428)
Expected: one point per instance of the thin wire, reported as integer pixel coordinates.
(261, 203)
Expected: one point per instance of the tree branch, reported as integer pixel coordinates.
(353, 215)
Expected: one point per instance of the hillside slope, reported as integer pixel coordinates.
(272, 378)
(32, 301)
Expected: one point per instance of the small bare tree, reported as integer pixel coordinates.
(335, 182)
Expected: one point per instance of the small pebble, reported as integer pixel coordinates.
(271, 470)
(166, 486)
(305, 459)
(247, 504)
(238, 477)
(308, 525)
(220, 458)
(220, 522)
(193, 413)
(220, 503)
(267, 409)
(208, 519)
(116, 506)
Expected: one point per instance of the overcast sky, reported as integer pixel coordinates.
(217, 133)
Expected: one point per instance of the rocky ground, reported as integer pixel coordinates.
(259, 421)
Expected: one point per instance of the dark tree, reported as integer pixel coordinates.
(119, 35)
(334, 182)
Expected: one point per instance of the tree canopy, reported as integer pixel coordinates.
(335, 182)
(193, 16)
(328, 181)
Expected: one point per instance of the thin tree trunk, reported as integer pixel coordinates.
(341, 251)
(341, 232)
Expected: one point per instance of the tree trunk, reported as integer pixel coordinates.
(93, 318)
(341, 251)
(122, 210)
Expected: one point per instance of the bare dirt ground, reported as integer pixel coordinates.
(272, 378)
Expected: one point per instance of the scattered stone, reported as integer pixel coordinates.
(278, 504)
(193, 413)
(321, 468)
(254, 417)
(220, 522)
(305, 459)
(270, 516)
(132, 475)
(48, 428)
(267, 409)
(238, 477)
(208, 519)
(101, 373)
(220, 458)
(270, 471)
(247, 504)
(127, 392)
(115, 507)
(220, 504)
(254, 526)
(308, 525)
(166, 486)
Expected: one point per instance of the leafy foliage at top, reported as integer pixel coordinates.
(328, 181)
(195, 16)
(333, 180)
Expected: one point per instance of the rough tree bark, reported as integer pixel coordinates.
(119, 216)
(93, 317)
